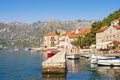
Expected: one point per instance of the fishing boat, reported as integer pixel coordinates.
(109, 62)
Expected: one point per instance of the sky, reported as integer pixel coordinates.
(29, 11)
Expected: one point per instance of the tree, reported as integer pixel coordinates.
(90, 38)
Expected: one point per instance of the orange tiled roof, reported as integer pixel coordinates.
(117, 27)
(73, 35)
(87, 30)
(82, 31)
(51, 34)
(116, 42)
(102, 29)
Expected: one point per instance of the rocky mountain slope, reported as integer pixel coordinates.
(23, 35)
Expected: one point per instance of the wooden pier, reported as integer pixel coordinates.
(55, 64)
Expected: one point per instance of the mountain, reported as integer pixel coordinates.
(23, 35)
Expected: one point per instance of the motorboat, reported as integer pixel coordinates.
(109, 62)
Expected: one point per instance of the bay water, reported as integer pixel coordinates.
(27, 65)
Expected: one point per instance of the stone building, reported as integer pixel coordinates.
(51, 39)
(108, 35)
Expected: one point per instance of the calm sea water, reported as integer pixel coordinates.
(26, 65)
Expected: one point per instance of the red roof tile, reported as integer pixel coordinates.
(117, 27)
(116, 42)
(102, 29)
(87, 30)
(73, 35)
(82, 31)
(51, 34)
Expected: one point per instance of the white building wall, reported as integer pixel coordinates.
(105, 37)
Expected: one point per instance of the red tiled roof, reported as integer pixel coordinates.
(117, 27)
(73, 35)
(116, 42)
(51, 34)
(87, 30)
(102, 29)
(82, 31)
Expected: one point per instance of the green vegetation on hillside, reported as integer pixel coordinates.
(90, 38)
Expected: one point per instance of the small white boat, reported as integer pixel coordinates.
(109, 62)
(72, 56)
(94, 58)
(103, 57)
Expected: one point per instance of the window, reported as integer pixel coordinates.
(52, 37)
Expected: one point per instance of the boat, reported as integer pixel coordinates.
(51, 51)
(73, 53)
(109, 62)
(50, 54)
(95, 58)
(72, 56)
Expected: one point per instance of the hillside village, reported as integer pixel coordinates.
(107, 37)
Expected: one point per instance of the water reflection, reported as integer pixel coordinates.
(73, 66)
(113, 72)
(94, 66)
(53, 76)
(27, 65)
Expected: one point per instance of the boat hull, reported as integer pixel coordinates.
(113, 62)
(72, 56)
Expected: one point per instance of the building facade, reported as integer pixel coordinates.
(106, 35)
(51, 39)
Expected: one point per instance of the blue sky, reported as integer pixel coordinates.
(29, 11)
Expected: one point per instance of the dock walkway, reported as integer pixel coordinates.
(55, 64)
